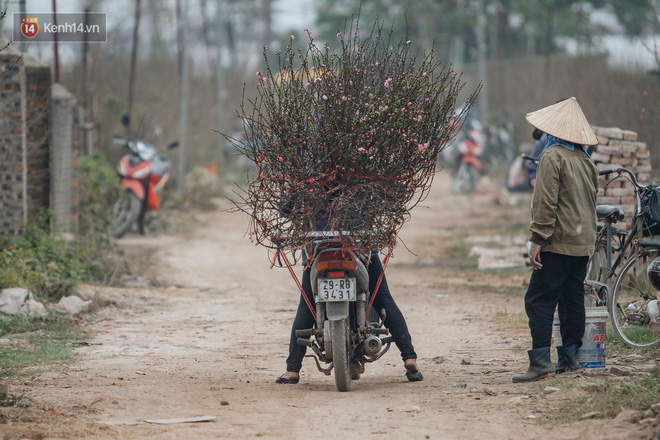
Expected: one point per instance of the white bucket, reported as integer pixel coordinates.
(592, 353)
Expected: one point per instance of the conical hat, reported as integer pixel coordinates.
(564, 120)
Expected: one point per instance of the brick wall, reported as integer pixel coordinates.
(12, 196)
(26, 172)
(621, 148)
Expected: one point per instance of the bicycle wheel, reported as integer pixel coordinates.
(627, 302)
(597, 263)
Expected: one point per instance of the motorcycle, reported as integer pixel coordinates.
(499, 148)
(344, 336)
(467, 165)
(144, 173)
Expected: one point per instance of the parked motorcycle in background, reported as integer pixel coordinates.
(478, 151)
(467, 165)
(144, 173)
(499, 148)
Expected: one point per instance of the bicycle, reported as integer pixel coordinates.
(623, 285)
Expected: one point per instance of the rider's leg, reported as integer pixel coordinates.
(394, 319)
(303, 320)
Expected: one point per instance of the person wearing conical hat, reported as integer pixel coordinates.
(562, 235)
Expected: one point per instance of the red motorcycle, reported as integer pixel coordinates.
(144, 173)
(467, 167)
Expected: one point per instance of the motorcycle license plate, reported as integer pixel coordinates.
(338, 289)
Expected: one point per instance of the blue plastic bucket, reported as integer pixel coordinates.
(592, 353)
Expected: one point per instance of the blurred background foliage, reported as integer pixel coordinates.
(528, 53)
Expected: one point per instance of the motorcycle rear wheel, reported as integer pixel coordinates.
(125, 212)
(464, 180)
(341, 355)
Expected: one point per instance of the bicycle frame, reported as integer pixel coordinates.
(628, 291)
(627, 240)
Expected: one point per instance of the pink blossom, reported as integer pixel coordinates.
(408, 42)
(343, 98)
(424, 74)
(258, 73)
(418, 118)
(292, 37)
(387, 82)
(265, 79)
(644, 93)
(423, 147)
(338, 34)
(307, 85)
(361, 149)
(325, 97)
(281, 159)
(409, 103)
(350, 82)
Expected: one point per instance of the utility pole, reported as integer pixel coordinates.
(23, 8)
(481, 60)
(219, 76)
(183, 103)
(459, 42)
(131, 78)
(56, 53)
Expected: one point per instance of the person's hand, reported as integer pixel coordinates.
(532, 182)
(534, 254)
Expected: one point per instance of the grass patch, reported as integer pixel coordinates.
(13, 401)
(511, 321)
(637, 392)
(40, 342)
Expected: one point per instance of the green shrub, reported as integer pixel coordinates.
(51, 267)
(40, 262)
(99, 188)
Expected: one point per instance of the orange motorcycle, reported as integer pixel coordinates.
(144, 173)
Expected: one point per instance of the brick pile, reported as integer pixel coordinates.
(620, 148)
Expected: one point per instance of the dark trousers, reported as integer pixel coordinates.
(394, 320)
(558, 284)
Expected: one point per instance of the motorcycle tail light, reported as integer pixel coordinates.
(334, 261)
(337, 274)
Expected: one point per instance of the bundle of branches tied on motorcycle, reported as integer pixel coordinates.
(345, 141)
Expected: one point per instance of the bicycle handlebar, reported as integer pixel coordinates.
(631, 176)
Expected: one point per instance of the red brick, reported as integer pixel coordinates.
(610, 132)
(611, 150)
(599, 157)
(629, 135)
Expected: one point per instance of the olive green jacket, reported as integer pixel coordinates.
(564, 202)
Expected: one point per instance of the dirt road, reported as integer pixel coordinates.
(214, 340)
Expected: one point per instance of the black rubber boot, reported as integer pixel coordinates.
(567, 358)
(539, 365)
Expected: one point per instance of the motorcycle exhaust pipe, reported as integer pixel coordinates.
(372, 345)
